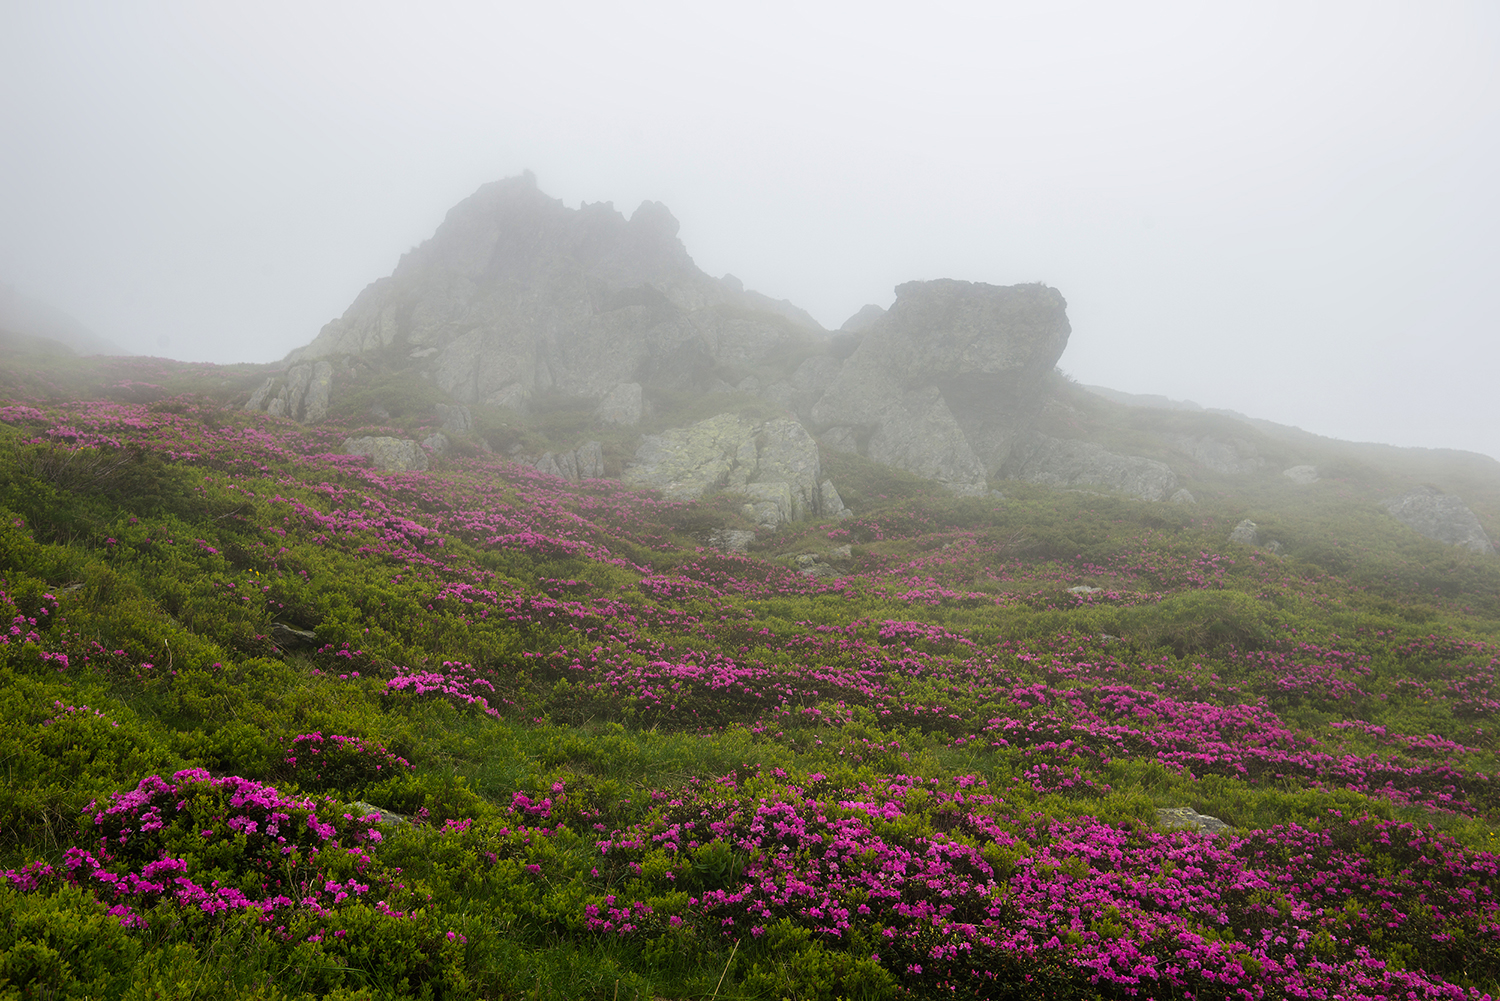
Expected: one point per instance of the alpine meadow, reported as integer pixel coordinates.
(563, 622)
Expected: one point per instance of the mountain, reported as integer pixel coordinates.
(31, 317)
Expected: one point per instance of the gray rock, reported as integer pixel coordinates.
(949, 378)
(392, 455)
(1184, 496)
(625, 405)
(590, 460)
(864, 319)
(586, 462)
(830, 504)
(1056, 462)
(920, 435)
(1441, 517)
(1084, 589)
(516, 289)
(290, 638)
(258, 398)
(319, 388)
(514, 397)
(844, 552)
(1301, 475)
(457, 418)
(774, 464)
(436, 443)
(1186, 818)
(303, 393)
(819, 570)
(734, 540)
(1246, 533)
(786, 453)
(388, 818)
(770, 503)
(1233, 457)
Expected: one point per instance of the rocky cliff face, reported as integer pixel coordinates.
(945, 382)
(516, 294)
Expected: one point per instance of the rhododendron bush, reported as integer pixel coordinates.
(280, 724)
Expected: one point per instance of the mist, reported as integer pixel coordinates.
(1284, 210)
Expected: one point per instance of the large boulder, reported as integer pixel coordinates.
(391, 455)
(944, 383)
(773, 464)
(517, 294)
(1442, 517)
(1057, 462)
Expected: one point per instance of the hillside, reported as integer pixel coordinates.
(279, 724)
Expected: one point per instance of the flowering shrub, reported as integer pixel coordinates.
(338, 762)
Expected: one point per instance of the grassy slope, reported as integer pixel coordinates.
(613, 741)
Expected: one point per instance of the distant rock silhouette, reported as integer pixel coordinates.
(516, 294)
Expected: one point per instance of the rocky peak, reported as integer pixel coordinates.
(515, 294)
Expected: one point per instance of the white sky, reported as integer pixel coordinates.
(1288, 209)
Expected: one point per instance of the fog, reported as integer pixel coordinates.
(1288, 210)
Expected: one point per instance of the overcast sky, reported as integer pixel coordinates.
(1285, 209)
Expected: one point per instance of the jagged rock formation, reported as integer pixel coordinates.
(1442, 517)
(302, 394)
(774, 464)
(1056, 462)
(944, 383)
(516, 294)
(392, 455)
(1301, 475)
(586, 462)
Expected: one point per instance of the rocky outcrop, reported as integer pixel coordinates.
(1056, 462)
(391, 455)
(864, 319)
(622, 405)
(1186, 818)
(1442, 517)
(1234, 457)
(1184, 496)
(1246, 533)
(830, 504)
(302, 394)
(457, 419)
(1301, 475)
(944, 383)
(586, 462)
(516, 294)
(773, 464)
